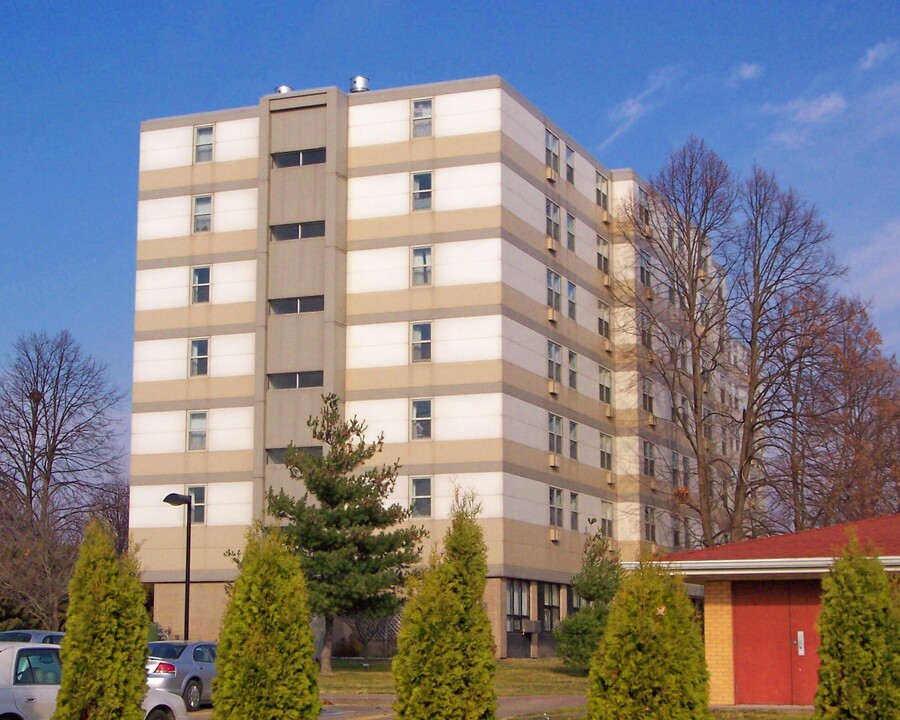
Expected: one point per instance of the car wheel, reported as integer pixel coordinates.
(191, 695)
(159, 714)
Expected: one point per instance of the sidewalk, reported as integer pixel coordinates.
(507, 707)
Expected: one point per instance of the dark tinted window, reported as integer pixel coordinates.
(277, 456)
(15, 636)
(312, 229)
(166, 651)
(314, 156)
(37, 666)
(289, 381)
(286, 232)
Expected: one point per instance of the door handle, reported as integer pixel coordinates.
(30, 699)
(801, 644)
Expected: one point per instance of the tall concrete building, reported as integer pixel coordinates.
(440, 256)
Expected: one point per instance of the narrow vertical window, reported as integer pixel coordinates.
(605, 385)
(202, 217)
(573, 439)
(572, 305)
(570, 165)
(556, 507)
(203, 144)
(644, 273)
(649, 459)
(554, 424)
(573, 511)
(603, 255)
(422, 116)
(649, 524)
(199, 357)
(421, 497)
(606, 518)
(552, 220)
(197, 430)
(606, 452)
(647, 395)
(197, 494)
(570, 231)
(573, 370)
(421, 191)
(554, 361)
(421, 419)
(603, 319)
(602, 191)
(421, 341)
(518, 605)
(421, 266)
(200, 285)
(551, 155)
(554, 289)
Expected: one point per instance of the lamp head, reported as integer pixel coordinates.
(177, 499)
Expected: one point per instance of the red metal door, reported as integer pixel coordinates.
(804, 641)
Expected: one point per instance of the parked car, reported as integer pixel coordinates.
(50, 637)
(184, 668)
(30, 674)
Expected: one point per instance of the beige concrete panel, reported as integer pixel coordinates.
(295, 342)
(530, 546)
(200, 174)
(201, 244)
(297, 268)
(162, 550)
(426, 452)
(192, 389)
(299, 129)
(297, 194)
(386, 158)
(495, 604)
(286, 415)
(208, 602)
(194, 318)
(421, 224)
(406, 378)
(360, 307)
(192, 462)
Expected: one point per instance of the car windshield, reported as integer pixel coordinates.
(166, 651)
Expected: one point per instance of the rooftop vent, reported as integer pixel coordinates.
(282, 89)
(359, 83)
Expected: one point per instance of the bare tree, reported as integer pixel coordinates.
(58, 440)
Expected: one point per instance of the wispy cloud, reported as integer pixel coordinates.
(744, 72)
(806, 112)
(876, 55)
(627, 113)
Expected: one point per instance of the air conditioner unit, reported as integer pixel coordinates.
(553, 387)
(552, 314)
(609, 411)
(607, 476)
(604, 216)
(554, 534)
(531, 626)
(652, 484)
(552, 244)
(553, 460)
(654, 548)
(552, 175)
(648, 294)
(651, 421)
(606, 280)
(607, 345)
(705, 388)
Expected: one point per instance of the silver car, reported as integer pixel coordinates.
(30, 674)
(184, 668)
(50, 637)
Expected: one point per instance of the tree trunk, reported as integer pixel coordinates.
(327, 642)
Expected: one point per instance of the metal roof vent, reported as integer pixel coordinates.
(359, 83)
(282, 89)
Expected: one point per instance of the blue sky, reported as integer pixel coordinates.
(809, 90)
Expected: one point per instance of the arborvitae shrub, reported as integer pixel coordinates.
(859, 648)
(105, 646)
(265, 661)
(444, 667)
(650, 664)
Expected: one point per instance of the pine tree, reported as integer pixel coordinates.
(354, 554)
(650, 665)
(444, 667)
(859, 648)
(579, 635)
(265, 659)
(105, 646)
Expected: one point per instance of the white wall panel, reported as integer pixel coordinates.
(161, 288)
(390, 416)
(229, 503)
(467, 186)
(378, 196)
(378, 270)
(586, 308)
(378, 345)
(467, 113)
(524, 200)
(147, 509)
(158, 432)
(487, 488)
(232, 355)
(525, 274)
(164, 218)
(236, 140)
(378, 123)
(466, 339)
(156, 360)
(467, 417)
(524, 348)
(470, 262)
(233, 282)
(234, 210)
(525, 423)
(230, 429)
(523, 127)
(170, 148)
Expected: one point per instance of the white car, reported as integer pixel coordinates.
(29, 682)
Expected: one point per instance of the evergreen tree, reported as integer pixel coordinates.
(579, 635)
(444, 667)
(859, 649)
(105, 646)
(265, 659)
(354, 555)
(650, 665)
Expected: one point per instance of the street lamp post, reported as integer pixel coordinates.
(177, 499)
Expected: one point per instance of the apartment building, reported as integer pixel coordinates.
(444, 258)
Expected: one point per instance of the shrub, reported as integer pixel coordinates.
(105, 646)
(650, 664)
(265, 662)
(859, 650)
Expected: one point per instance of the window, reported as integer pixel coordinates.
(573, 511)
(570, 165)
(605, 385)
(554, 361)
(421, 266)
(606, 451)
(518, 606)
(295, 158)
(602, 183)
(643, 206)
(603, 319)
(205, 654)
(295, 380)
(548, 605)
(278, 456)
(422, 115)
(421, 497)
(554, 289)
(576, 601)
(37, 666)
(556, 507)
(554, 424)
(552, 219)
(203, 144)
(551, 155)
(676, 470)
(197, 430)
(647, 395)
(573, 439)
(197, 493)
(289, 306)
(296, 231)
(199, 357)
(200, 285)
(649, 524)
(644, 274)
(421, 191)
(649, 464)
(606, 518)
(573, 305)
(570, 231)
(421, 341)
(679, 532)
(202, 214)
(646, 331)
(573, 370)
(421, 419)
(603, 255)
